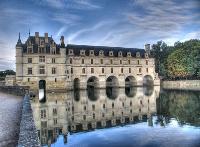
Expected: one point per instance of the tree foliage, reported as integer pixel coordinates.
(181, 61)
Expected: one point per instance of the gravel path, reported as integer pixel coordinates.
(10, 114)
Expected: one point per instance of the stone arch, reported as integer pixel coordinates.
(112, 81)
(93, 81)
(92, 88)
(130, 91)
(130, 81)
(148, 81)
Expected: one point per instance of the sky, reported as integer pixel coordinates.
(124, 23)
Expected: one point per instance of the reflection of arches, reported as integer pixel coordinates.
(76, 83)
(77, 94)
(148, 81)
(148, 90)
(112, 81)
(112, 92)
(93, 81)
(93, 93)
(130, 81)
(42, 90)
(130, 91)
(92, 88)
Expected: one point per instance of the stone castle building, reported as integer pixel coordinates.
(61, 66)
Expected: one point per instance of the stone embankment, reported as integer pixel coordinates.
(28, 136)
(16, 90)
(182, 85)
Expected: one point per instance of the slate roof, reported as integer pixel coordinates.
(76, 49)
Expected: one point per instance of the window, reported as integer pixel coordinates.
(138, 54)
(122, 70)
(41, 58)
(140, 70)
(53, 60)
(129, 70)
(91, 61)
(113, 105)
(130, 103)
(70, 52)
(29, 60)
(70, 60)
(138, 62)
(146, 62)
(129, 62)
(84, 117)
(104, 106)
(91, 52)
(110, 53)
(71, 70)
(93, 107)
(55, 80)
(82, 61)
(101, 61)
(82, 52)
(113, 114)
(29, 71)
(102, 70)
(147, 70)
(53, 70)
(103, 115)
(84, 107)
(129, 54)
(111, 61)
(42, 70)
(83, 70)
(41, 50)
(93, 115)
(92, 70)
(54, 111)
(120, 61)
(101, 52)
(55, 121)
(28, 79)
(111, 70)
(43, 113)
(30, 50)
(119, 53)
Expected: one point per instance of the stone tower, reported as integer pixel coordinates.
(19, 61)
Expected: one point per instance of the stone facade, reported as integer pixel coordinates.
(60, 65)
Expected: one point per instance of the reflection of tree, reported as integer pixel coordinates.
(182, 105)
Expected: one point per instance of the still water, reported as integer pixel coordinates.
(119, 117)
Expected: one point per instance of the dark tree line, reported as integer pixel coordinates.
(181, 61)
(6, 72)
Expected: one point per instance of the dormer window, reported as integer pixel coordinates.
(82, 52)
(91, 52)
(129, 54)
(120, 53)
(30, 50)
(146, 55)
(70, 52)
(110, 53)
(137, 54)
(101, 52)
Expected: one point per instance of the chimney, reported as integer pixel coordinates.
(37, 37)
(37, 34)
(46, 37)
(147, 48)
(62, 42)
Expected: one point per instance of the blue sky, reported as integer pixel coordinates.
(126, 23)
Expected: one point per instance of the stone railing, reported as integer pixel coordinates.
(28, 136)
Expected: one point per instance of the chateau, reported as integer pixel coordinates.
(67, 66)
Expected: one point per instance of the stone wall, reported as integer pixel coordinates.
(183, 84)
(28, 134)
(16, 90)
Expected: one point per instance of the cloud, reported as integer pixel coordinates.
(66, 18)
(70, 4)
(61, 31)
(6, 64)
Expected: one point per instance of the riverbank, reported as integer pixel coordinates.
(182, 85)
(10, 117)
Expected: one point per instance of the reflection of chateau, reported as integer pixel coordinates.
(85, 110)
(61, 67)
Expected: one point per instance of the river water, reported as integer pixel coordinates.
(119, 117)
